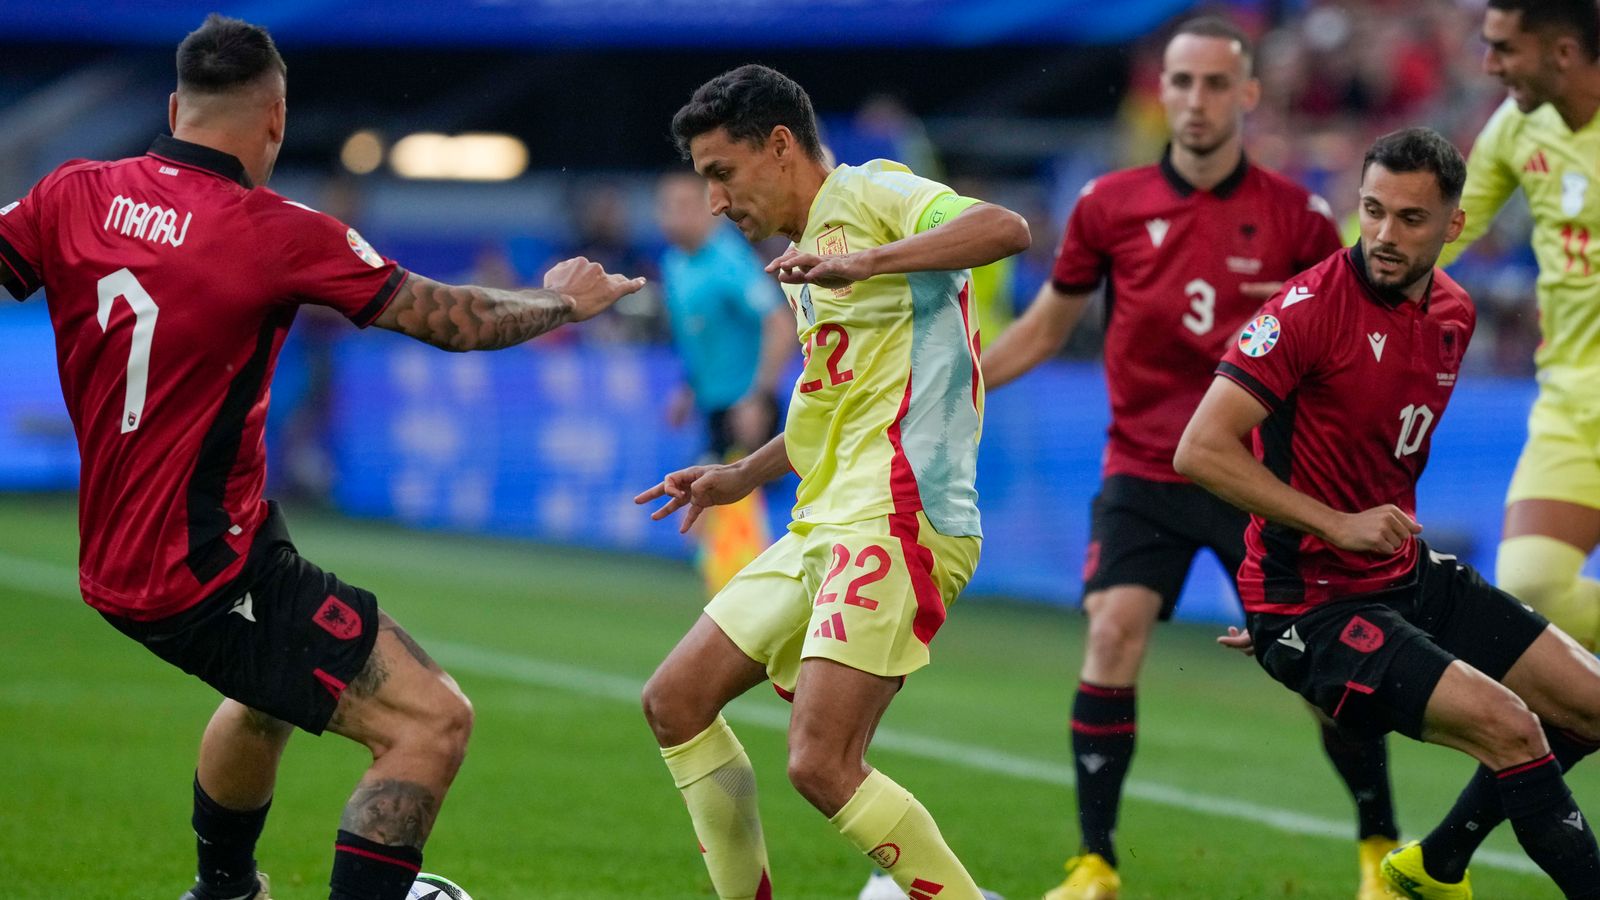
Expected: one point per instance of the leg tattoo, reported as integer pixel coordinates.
(391, 812)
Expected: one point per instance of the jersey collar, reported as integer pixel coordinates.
(1224, 188)
(199, 156)
(1389, 297)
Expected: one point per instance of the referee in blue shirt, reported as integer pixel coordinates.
(730, 324)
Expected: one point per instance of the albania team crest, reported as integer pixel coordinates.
(1451, 341)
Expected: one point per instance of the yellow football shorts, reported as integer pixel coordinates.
(869, 595)
(1561, 460)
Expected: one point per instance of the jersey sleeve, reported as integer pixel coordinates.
(1319, 234)
(904, 203)
(1491, 179)
(1081, 262)
(21, 242)
(1276, 350)
(327, 263)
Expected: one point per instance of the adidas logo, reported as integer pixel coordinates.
(832, 627)
(1537, 163)
(922, 889)
(1575, 820)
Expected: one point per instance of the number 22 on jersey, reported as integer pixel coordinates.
(122, 284)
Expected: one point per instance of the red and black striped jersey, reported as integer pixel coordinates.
(1174, 258)
(171, 282)
(1355, 379)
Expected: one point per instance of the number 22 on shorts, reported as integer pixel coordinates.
(874, 563)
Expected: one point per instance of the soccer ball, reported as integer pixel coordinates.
(436, 887)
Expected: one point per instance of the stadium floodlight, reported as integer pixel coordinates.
(362, 153)
(463, 157)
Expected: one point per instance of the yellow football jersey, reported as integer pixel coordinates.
(1556, 168)
(886, 414)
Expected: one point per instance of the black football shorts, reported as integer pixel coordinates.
(284, 638)
(1371, 662)
(1146, 533)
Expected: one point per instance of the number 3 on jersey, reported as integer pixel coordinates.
(122, 284)
(1202, 314)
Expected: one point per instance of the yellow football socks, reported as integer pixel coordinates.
(885, 822)
(1544, 573)
(718, 784)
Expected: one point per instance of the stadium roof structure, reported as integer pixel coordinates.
(607, 23)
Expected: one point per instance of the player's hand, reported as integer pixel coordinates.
(833, 272)
(1382, 529)
(591, 288)
(1260, 290)
(698, 488)
(1238, 639)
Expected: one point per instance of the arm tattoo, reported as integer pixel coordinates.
(372, 675)
(468, 317)
(390, 811)
(411, 645)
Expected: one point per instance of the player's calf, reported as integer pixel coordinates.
(417, 722)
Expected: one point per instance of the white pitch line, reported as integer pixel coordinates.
(55, 580)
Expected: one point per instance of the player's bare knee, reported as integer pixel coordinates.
(1114, 641)
(1511, 733)
(821, 778)
(669, 713)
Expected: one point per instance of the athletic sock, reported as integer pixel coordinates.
(1448, 849)
(225, 845)
(1103, 731)
(1363, 764)
(886, 823)
(1550, 827)
(367, 870)
(719, 786)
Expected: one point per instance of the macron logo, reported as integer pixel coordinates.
(1291, 639)
(1377, 341)
(1295, 295)
(1158, 230)
(245, 606)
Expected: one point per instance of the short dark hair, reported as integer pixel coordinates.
(1420, 150)
(1581, 17)
(224, 54)
(1217, 27)
(748, 102)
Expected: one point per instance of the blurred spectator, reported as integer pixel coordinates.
(605, 234)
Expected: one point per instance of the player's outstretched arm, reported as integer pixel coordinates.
(700, 487)
(1211, 453)
(1033, 338)
(468, 317)
(980, 235)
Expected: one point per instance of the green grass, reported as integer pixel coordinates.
(563, 794)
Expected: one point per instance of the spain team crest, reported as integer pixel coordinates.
(831, 242)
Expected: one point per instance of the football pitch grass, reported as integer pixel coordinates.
(563, 794)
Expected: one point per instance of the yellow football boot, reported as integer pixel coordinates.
(1404, 876)
(1089, 877)
(1371, 852)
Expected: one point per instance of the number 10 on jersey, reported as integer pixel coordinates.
(122, 284)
